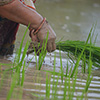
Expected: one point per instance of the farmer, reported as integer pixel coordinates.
(15, 12)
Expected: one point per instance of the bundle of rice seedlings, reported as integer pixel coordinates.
(75, 47)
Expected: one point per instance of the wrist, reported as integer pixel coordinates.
(35, 31)
(36, 23)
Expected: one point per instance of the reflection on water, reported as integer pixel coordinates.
(35, 82)
(40, 87)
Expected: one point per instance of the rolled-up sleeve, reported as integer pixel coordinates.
(4, 2)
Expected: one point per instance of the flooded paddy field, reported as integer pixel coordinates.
(35, 82)
(71, 19)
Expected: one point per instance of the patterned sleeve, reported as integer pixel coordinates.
(4, 2)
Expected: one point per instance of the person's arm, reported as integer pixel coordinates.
(19, 13)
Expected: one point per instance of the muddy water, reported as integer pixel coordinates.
(71, 19)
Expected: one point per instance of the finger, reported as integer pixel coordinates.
(53, 46)
(49, 46)
(34, 37)
(31, 32)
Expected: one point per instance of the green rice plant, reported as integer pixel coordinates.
(13, 84)
(61, 67)
(40, 97)
(67, 69)
(21, 45)
(89, 71)
(75, 71)
(90, 58)
(76, 51)
(93, 43)
(18, 66)
(65, 89)
(54, 87)
(54, 74)
(76, 47)
(3, 64)
(89, 79)
(84, 63)
(69, 94)
(67, 83)
(74, 84)
(23, 73)
(47, 86)
(95, 39)
(43, 51)
(35, 58)
(79, 58)
(69, 88)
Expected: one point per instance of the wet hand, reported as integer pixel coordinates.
(42, 34)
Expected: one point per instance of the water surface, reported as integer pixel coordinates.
(71, 19)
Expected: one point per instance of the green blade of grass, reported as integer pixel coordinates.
(47, 86)
(13, 84)
(20, 48)
(65, 89)
(79, 58)
(61, 66)
(23, 73)
(43, 51)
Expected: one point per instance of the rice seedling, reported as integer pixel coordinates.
(67, 69)
(75, 47)
(55, 81)
(68, 79)
(20, 48)
(41, 52)
(47, 86)
(18, 64)
(13, 84)
(89, 71)
(84, 63)
(89, 78)
(65, 89)
(23, 73)
(61, 67)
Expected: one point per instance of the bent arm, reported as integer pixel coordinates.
(20, 13)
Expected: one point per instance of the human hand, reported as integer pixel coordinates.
(42, 34)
